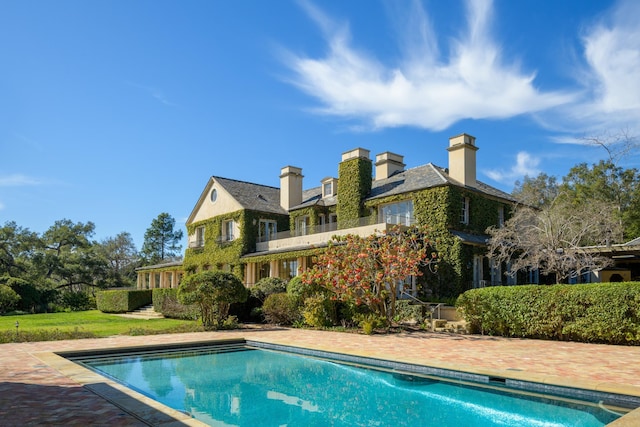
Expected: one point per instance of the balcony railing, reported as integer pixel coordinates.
(316, 234)
(320, 228)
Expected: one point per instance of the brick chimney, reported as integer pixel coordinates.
(290, 187)
(462, 159)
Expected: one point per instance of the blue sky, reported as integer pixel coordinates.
(116, 111)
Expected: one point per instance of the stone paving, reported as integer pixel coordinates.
(38, 388)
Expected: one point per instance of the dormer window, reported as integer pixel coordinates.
(329, 187)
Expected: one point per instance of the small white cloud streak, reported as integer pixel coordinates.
(1, 206)
(18, 180)
(424, 90)
(526, 165)
(155, 93)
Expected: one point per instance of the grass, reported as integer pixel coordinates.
(85, 324)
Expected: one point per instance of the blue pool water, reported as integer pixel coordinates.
(265, 388)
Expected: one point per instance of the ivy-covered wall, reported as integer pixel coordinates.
(354, 184)
(217, 252)
(439, 208)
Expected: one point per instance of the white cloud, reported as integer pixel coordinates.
(1, 206)
(526, 165)
(609, 75)
(18, 180)
(424, 90)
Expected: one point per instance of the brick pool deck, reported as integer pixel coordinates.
(37, 387)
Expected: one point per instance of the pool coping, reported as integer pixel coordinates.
(154, 413)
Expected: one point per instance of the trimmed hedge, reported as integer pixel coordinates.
(599, 313)
(165, 301)
(122, 300)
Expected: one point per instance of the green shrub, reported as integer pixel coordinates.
(8, 299)
(370, 322)
(165, 301)
(300, 291)
(213, 292)
(268, 286)
(603, 312)
(78, 301)
(122, 300)
(319, 311)
(280, 309)
(407, 312)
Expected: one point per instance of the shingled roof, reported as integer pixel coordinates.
(252, 196)
(407, 181)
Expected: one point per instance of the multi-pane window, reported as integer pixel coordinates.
(302, 226)
(228, 230)
(398, 213)
(500, 216)
(267, 230)
(200, 237)
(464, 213)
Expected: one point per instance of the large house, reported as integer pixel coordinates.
(258, 231)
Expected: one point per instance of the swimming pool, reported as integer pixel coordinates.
(246, 385)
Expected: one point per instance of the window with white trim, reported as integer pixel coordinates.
(302, 226)
(398, 213)
(228, 228)
(199, 237)
(464, 213)
(267, 230)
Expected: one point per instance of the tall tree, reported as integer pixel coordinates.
(122, 257)
(161, 241)
(16, 249)
(552, 238)
(608, 183)
(536, 192)
(68, 258)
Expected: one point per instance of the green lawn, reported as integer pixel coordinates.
(85, 324)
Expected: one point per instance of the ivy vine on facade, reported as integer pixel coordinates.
(257, 231)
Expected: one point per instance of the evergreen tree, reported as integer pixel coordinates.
(161, 241)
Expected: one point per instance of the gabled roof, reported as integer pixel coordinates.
(251, 196)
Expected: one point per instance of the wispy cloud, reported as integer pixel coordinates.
(18, 180)
(156, 93)
(608, 75)
(1, 206)
(425, 89)
(526, 165)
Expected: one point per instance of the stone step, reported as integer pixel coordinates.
(146, 311)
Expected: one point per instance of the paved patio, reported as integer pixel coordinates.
(38, 387)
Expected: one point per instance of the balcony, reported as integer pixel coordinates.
(321, 234)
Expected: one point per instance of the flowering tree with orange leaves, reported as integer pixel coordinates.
(369, 270)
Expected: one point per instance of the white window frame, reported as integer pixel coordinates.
(270, 228)
(464, 213)
(200, 236)
(228, 229)
(398, 213)
(500, 216)
(302, 225)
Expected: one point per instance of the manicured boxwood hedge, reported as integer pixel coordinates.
(121, 301)
(600, 313)
(165, 301)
